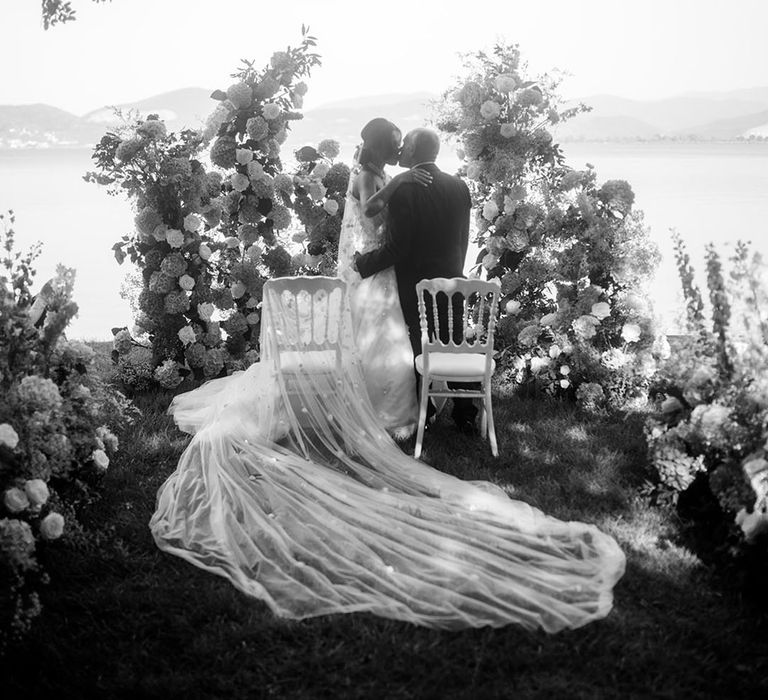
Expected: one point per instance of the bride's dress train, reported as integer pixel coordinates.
(300, 498)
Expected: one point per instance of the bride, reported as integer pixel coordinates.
(302, 499)
(380, 331)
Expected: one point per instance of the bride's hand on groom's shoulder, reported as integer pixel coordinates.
(417, 175)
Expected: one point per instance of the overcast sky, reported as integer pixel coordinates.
(131, 49)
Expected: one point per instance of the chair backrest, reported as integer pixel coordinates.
(306, 313)
(467, 323)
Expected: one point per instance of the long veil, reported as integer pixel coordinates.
(292, 490)
(351, 228)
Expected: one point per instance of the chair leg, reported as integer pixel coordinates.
(422, 416)
(491, 427)
(483, 420)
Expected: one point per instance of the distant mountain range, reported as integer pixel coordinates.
(733, 115)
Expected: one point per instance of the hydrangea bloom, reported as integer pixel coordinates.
(243, 155)
(17, 542)
(223, 152)
(174, 264)
(281, 216)
(239, 182)
(240, 95)
(283, 183)
(152, 129)
(8, 436)
(167, 374)
(147, 220)
(15, 500)
(37, 491)
(175, 238)
(529, 335)
(52, 526)
(508, 130)
(270, 111)
(176, 302)
(267, 88)
(195, 355)
(585, 326)
(39, 393)
(329, 148)
(257, 128)
(161, 282)
(505, 82)
(214, 362)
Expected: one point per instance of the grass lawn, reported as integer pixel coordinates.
(121, 619)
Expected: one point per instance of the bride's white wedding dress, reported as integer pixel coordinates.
(380, 332)
(297, 494)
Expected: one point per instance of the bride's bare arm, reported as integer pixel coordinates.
(373, 201)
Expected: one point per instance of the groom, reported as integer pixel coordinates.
(428, 237)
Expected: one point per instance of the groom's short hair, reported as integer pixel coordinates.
(426, 145)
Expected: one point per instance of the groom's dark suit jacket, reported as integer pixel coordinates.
(427, 237)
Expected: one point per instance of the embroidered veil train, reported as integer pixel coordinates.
(295, 493)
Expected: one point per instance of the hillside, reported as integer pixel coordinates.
(728, 115)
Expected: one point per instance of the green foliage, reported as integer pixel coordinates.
(573, 256)
(55, 428)
(709, 437)
(58, 12)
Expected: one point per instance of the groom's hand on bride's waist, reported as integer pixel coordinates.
(355, 258)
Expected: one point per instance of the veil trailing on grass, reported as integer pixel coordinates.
(292, 490)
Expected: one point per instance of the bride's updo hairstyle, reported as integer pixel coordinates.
(377, 141)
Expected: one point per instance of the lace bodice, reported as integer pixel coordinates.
(358, 232)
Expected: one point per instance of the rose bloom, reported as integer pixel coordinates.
(554, 351)
(570, 180)
(512, 307)
(160, 232)
(175, 238)
(253, 318)
(52, 526)
(271, 110)
(192, 222)
(565, 370)
(505, 82)
(204, 251)
(205, 310)
(473, 171)
(631, 332)
(100, 459)
(8, 436)
(490, 210)
(237, 289)
(300, 88)
(508, 130)
(232, 241)
(549, 320)
(517, 240)
(37, 491)
(564, 383)
(490, 109)
(187, 283)
(186, 335)
(671, 404)
(331, 206)
(239, 182)
(243, 155)
(254, 252)
(601, 310)
(15, 500)
(538, 364)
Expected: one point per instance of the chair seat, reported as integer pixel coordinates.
(312, 361)
(452, 365)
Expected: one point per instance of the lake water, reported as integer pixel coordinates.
(709, 192)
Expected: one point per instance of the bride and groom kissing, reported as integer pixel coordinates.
(302, 499)
(411, 227)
